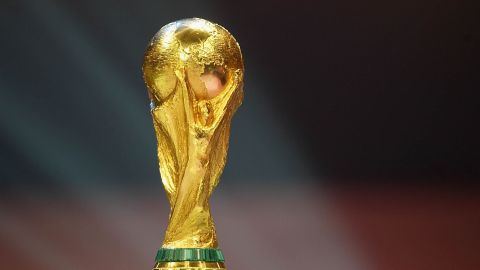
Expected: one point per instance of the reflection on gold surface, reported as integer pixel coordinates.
(189, 266)
(194, 73)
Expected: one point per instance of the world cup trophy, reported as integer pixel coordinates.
(193, 70)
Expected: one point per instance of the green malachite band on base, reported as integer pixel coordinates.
(189, 254)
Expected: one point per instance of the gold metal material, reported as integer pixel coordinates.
(189, 266)
(193, 70)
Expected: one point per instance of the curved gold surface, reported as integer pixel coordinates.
(193, 70)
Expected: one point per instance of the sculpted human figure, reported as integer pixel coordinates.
(193, 70)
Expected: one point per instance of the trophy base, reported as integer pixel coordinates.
(189, 265)
(189, 259)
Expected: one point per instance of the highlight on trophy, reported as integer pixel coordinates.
(193, 70)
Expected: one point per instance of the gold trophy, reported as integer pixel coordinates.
(193, 70)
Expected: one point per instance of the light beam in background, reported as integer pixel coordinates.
(59, 157)
(81, 47)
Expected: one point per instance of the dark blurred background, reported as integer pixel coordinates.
(356, 147)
